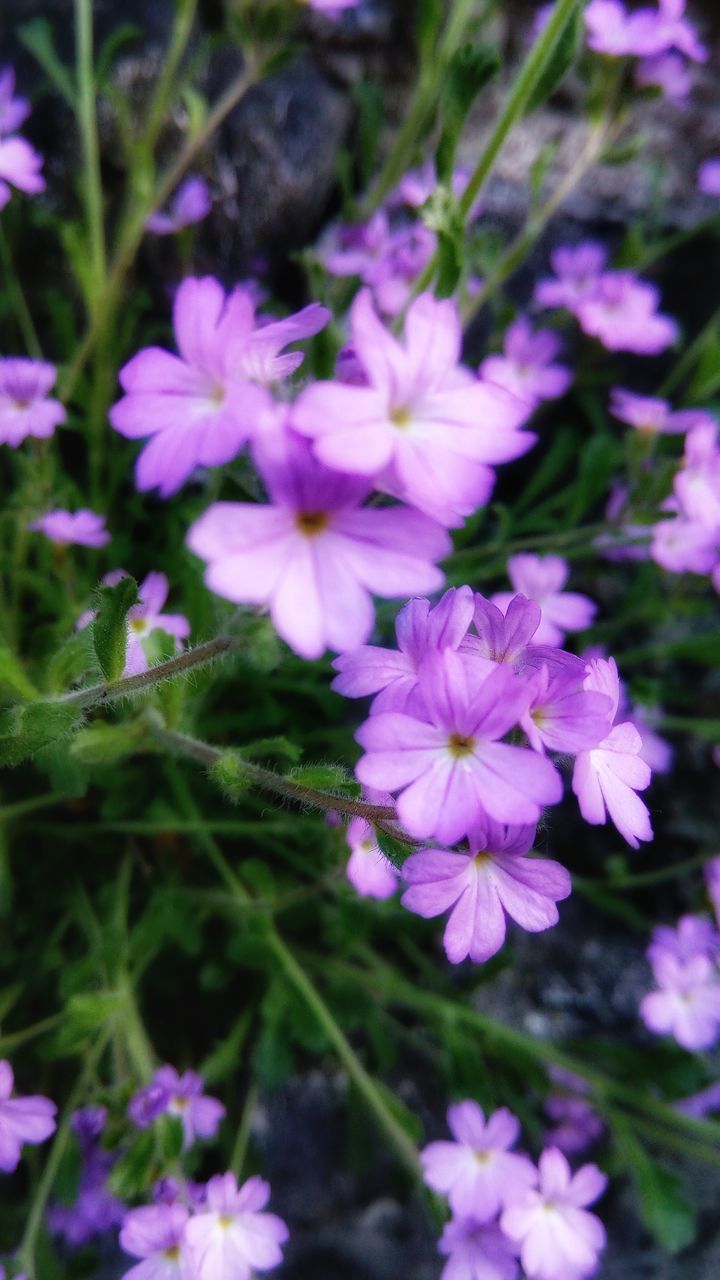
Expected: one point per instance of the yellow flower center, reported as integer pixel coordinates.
(460, 746)
(311, 523)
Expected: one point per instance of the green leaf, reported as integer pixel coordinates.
(171, 1135)
(132, 1174)
(104, 743)
(395, 851)
(13, 677)
(229, 773)
(560, 61)
(71, 663)
(37, 36)
(326, 777)
(85, 1013)
(26, 730)
(427, 26)
(126, 33)
(273, 748)
(470, 69)
(110, 626)
(663, 1208)
(227, 1056)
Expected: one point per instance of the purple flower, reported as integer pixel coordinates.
(312, 555)
(392, 674)
(201, 407)
(694, 936)
(178, 1095)
(13, 111)
(22, 1119)
(606, 778)
(577, 271)
(621, 312)
(687, 1005)
(387, 260)
(709, 177)
(508, 638)
(644, 33)
(95, 1210)
(542, 578)
(191, 203)
(81, 528)
(234, 1237)
(156, 1234)
(563, 715)
(451, 768)
(699, 1105)
(143, 619)
(655, 416)
(480, 887)
(332, 7)
(476, 1252)
(558, 1238)
(25, 409)
(20, 167)
(667, 72)
(697, 484)
(477, 1172)
(368, 870)
(526, 366)
(424, 429)
(576, 1124)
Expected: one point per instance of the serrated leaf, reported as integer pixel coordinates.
(471, 67)
(27, 729)
(109, 629)
(560, 61)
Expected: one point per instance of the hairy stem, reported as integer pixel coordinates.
(129, 685)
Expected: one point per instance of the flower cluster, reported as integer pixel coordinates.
(616, 307)
(95, 1210)
(221, 1229)
(686, 968)
(504, 1207)
(20, 163)
(662, 38)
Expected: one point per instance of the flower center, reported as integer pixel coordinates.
(310, 523)
(483, 1157)
(226, 1220)
(459, 745)
(138, 625)
(181, 1104)
(173, 1253)
(217, 395)
(401, 417)
(20, 405)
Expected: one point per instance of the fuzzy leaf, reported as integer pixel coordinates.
(110, 626)
(26, 730)
(470, 69)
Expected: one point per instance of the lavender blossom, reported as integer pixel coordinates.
(478, 1172)
(81, 528)
(25, 409)
(558, 1238)
(22, 1119)
(190, 204)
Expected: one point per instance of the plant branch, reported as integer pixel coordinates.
(187, 661)
(87, 120)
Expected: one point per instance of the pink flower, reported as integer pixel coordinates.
(25, 409)
(156, 1233)
(424, 429)
(178, 1095)
(480, 887)
(655, 750)
(697, 484)
(576, 1124)
(687, 1005)
(667, 72)
(611, 30)
(670, 29)
(653, 415)
(201, 407)
(20, 167)
(606, 778)
(542, 578)
(332, 7)
(563, 715)
(558, 1238)
(508, 638)
(526, 366)
(621, 312)
(143, 618)
(694, 936)
(82, 528)
(709, 177)
(386, 259)
(477, 1172)
(683, 546)
(451, 768)
(13, 111)
(577, 271)
(392, 674)
(23, 1119)
(312, 555)
(191, 203)
(476, 1252)
(234, 1237)
(368, 870)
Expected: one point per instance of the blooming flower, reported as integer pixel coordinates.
(480, 887)
(652, 415)
(687, 1005)
(478, 1172)
(25, 409)
(667, 72)
(558, 1238)
(143, 618)
(646, 32)
(451, 768)
(577, 270)
(201, 407)
(392, 674)
(694, 936)
(178, 1095)
(20, 167)
(234, 1237)
(526, 366)
(476, 1251)
(621, 312)
(95, 1210)
(575, 1124)
(13, 111)
(313, 555)
(368, 870)
(423, 428)
(332, 7)
(22, 1119)
(542, 578)
(82, 528)
(563, 715)
(509, 638)
(156, 1234)
(709, 177)
(191, 203)
(606, 778)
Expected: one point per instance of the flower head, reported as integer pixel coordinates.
(20, 167)
(81, 528)
(542, 578)
(156, 1234)
(709, 177)
(557, 1236)
(622, 313)
(178, 1095)
(22, 1119)
(477, 1171)
(476, 1251)
(655, 416)
(13, 111)
(25, 409)
(368, 870)
(234, 1237)
(191, 203)
(526, 367)
(687, 1004)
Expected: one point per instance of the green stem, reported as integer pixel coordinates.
(20, 307)
(404, 1148)
(104, 693)
(516, 104)
(690, 356)
(242, 1139)
(157, 111)
(13, 1041)
(87, 120)
(19, 808)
